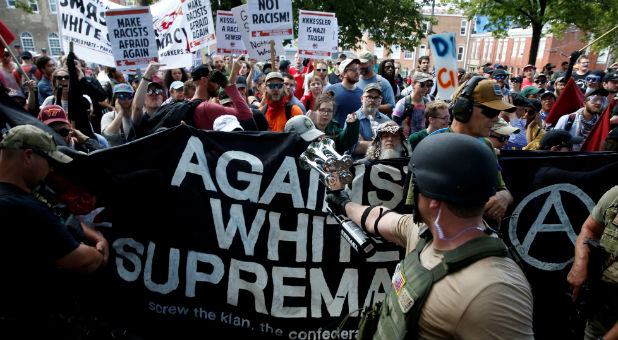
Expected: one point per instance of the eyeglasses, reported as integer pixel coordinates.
(325, 111)
(125, 96)
(445, 117)
(321, 69)
(500, 77)
(63, 77)
(373, 97)
(272, 86)
(502, 139)
(156, 92)
(6, 55)
(63, 132)
(540, 81)
(592, 79)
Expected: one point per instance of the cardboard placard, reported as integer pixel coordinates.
(444, 53)
(132, 37)
(315, 34)
(200, 29)
(229, 39)
(270, 18)
(258, 49)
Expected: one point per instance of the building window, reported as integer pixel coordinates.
(541, 48)
(54, 44)
(130, 3)
(464, 27)
(490, 50)
(396, 52)
(27, 42)
(34, 5)
(602, 58)
(499, 49)
(378, 51)
(408, 55)
(476, 49)
(522, 44)
(52, 6)
(515, 47)
(10, 3)
(460, 52)
(504, 48)
(422, 50)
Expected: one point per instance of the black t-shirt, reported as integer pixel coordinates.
(580, 80)
(32, 240)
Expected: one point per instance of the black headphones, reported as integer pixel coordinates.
(463, 106)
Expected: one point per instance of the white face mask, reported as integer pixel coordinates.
(441, 236)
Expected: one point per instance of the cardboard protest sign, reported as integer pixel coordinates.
(256, 48)
(172, 40)
(270, 18)
(132, 37)
(229, 39)
(315, 34)
(445, 61)
(198, 14)
(83, 23)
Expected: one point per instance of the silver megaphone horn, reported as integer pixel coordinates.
(306, 162)
(316, 153)
(328, 146)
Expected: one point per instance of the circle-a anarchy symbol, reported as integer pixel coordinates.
(553, 200)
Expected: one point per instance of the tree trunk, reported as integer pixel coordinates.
(537, 29)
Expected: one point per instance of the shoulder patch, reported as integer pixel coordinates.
(405, 301)
(398, 280)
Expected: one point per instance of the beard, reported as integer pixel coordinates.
(592, 109)
(391, 153)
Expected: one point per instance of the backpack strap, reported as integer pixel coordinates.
(408, 107)
(570, 122)
(468, 253)
(288, 110)
(264, 109)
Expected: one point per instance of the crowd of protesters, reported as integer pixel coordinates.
(364, 105)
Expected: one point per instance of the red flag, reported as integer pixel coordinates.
(599, 131)
(6, 33)
(571, 99)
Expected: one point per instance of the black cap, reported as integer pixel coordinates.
(43, 49)
(241, 81)
(549, 66)
(564, 63)
(283, 64)
(488, 69)
(499, 72)
(559, 137)
(517, 79)
(17, 45)
(613, 75)
(547, 93)
(155, 84)
(535, 104)
(199, 71)
(26, 55)
(461, 71)
(599, 73)
(518, 99)
(601, 92)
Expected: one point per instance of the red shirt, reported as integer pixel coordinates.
(206, 113)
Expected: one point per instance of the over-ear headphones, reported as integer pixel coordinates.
(463, 106)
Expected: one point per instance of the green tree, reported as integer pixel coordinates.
(387, 22)
(592, 17)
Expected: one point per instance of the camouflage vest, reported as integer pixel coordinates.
(609, 242)
(412, 283)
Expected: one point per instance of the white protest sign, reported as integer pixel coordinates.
(315, 34)
(229, 40)
(336, 36)
(445, 61)
(132, 37)
(270, 18)
(83, 23)
(172, 41)
(198, 15)
(258, 49)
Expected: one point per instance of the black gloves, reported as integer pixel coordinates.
(337, 199)
(575, 55)
(219, 78)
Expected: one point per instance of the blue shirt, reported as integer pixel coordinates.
(297, 102)
(366, 130)
(45, 89)
(517, 140)
(388, 97)
(347, 101)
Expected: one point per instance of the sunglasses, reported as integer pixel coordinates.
(500, 77)
(321, 69)
(272, 86)
(155, 92)
(489, 112)
(502, 139)
(63, 132)
(422, 85)
(429, 84)
(62, 77)
(592, 79)
(540, 81)
(125, 96)
(373, 97)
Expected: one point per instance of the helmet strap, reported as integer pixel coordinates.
(436, 224)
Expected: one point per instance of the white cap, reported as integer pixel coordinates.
(177, 85)
(345, 64)
(303, 126)
(227, 123)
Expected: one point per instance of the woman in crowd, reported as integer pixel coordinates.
(174, 75)
(322, 117)
(316, 84)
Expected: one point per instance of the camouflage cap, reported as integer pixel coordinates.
(23, 137)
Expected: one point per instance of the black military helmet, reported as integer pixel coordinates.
(454, 168)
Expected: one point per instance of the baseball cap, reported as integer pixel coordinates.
(26, 55)
(549, 66)
(611, 76)
(547, 93)
(530, 90)
(517, 79)
(365, 56)
(488, 69)
(613, 134)
(199, 71)
(518, 99)
(283, 64)
(23, 137)
(461, 71)
(303, 126)
(488, 93)
(559, 80)
(43, 49)
(535, 104)
(274, 75)
(559, 137)
(52, 113)
(498, 65)
(529, 66)
(177, 85)
(223, 97)
(539, 75)
(373, 86)
(420, 77)
(503, 128)
(347, 62)
(600, 92)
(122, 88)
(227, 123)
(241, 81)
(156, 84)
(499, 72)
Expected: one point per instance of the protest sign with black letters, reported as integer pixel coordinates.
(132, 36)
(198, 14)
(316, 31)
(229, 39)
(270, 18)
(258, 49)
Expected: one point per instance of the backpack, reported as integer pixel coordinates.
(170, 115)
(408, 107)
(288, 110)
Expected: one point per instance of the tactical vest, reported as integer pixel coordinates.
(609, 242)
(412, 283)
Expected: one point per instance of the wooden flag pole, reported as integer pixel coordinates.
(272, 55)
(599, 38)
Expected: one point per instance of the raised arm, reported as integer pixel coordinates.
(137, 107)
